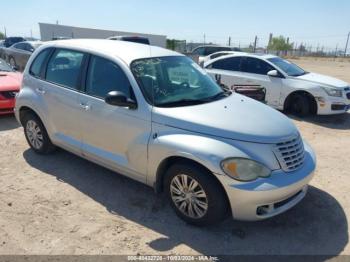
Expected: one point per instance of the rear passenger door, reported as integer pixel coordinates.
(19, 53)
(116, 137)
(63, 84)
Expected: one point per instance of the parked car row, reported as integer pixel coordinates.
(206, 50)
(17, 50)
(157, 117)
(286, 86)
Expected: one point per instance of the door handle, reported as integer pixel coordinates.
(84, 106)
(40, 90)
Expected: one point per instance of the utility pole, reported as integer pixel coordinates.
(229, 41)
(204, 39)
(5, 31)
(346, 46)
(255, 43)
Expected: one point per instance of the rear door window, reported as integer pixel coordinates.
(229, 64)
(64, 68)
(20, 46)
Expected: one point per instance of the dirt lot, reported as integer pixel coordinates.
(62, 204)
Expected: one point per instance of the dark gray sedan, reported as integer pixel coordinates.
(18, 54)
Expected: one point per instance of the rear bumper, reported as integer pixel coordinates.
(268, 197)
(7, 106)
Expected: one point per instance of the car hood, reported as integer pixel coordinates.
(323, 80)
(10, 81)
(236, 117)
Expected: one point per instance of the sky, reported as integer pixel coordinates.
(314, 22)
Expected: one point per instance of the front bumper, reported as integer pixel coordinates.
(268, 197)
(7, 106)
(332, 105)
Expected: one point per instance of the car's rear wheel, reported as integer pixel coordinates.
(12, 62)
(300, 105)
(36, 134)
(195, 195)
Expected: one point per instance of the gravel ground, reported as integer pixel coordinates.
(62, 204)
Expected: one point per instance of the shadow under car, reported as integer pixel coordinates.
(316, 226)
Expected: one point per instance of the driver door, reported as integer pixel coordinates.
(116, 137)
(254, 72)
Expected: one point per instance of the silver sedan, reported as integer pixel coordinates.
(18, 54)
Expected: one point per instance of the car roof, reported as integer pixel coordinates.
(126, 51)
(30, 42)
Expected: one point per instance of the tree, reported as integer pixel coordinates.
(2, 36)
(280, 44)
(171, 44)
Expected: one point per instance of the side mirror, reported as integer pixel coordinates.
(15, 68)
(273, 73)
(116, 98)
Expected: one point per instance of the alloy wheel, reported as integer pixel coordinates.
(189, 196)
(34, 134)
(12, 62)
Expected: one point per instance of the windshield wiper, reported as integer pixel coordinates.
(182, 102)
(217, 96)
(190, 102)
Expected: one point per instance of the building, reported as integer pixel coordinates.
(52, 31)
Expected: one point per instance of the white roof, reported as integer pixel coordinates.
(126, 51)
(264, 56)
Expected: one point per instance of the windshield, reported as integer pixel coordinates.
(4, 66)
(175, 81)
(288, 67)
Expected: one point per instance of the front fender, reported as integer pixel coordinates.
(206, 151)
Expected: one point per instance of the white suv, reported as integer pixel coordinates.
(155, 116)
(288, 87)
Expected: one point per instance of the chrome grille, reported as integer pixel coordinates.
(290, 154)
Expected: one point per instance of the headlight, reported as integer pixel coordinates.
(243, 169)
(333, 92)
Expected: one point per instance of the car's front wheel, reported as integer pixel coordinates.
(300, 105)
(195, 194)
(36, 134)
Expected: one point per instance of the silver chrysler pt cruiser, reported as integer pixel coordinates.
(155, 116)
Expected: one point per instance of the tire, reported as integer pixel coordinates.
(300, 105)
(12, 62)
(36, 135)
(208, 208)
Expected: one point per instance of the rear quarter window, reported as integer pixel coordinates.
(38, 63)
